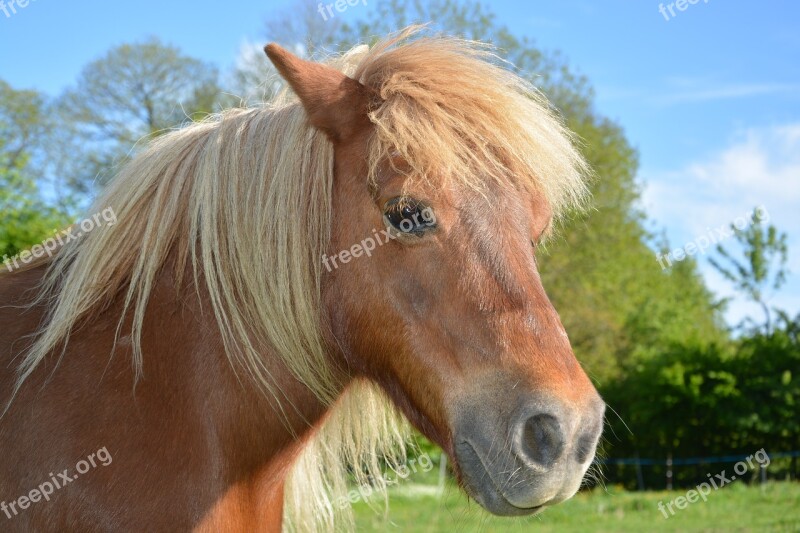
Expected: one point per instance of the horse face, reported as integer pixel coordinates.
(434, 293)
(448, 313)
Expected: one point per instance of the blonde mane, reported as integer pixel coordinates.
(244, 197)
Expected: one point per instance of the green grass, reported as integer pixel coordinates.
(737, 507)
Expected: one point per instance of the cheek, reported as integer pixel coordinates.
(414, 298)
(358, 302)
(421, 282)
(355, 255)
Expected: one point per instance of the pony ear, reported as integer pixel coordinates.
(335, 103)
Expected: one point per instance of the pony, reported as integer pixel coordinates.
(286, 287)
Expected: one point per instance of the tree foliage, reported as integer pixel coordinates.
(25, 218)
(134, 90)
(693, 401)
(763, 267)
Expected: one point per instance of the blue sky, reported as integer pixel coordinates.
(710, 98)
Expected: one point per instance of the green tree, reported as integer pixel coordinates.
(133, 91)
(763, 267)
(25, 218)
(700, 401)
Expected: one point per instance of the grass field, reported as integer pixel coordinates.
(737, 507)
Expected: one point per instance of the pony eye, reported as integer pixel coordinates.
(408, 215)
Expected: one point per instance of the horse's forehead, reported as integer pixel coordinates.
(498, 238)
(504, 209)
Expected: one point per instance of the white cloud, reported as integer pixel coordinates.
(760, 167)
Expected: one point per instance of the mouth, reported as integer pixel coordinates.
(479, 484)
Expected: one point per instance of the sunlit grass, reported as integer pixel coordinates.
(738, 507)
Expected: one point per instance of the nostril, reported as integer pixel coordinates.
(587, 442)
(585, 447)
(541, 440)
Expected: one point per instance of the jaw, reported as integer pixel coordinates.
(429, 425)
(469, 428)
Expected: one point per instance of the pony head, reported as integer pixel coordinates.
(449, 171)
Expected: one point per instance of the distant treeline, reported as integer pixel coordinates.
(707, 401)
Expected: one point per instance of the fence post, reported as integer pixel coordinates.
(639, 476)
(669, 471)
